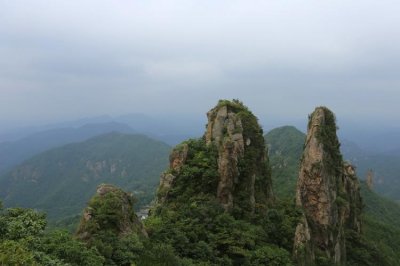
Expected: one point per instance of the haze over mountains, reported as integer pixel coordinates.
(161, 126)
(96, 96)
(23, 144)
(172, 129)
(66, 165)
(15, 152)
(385, 165)
(61, 180)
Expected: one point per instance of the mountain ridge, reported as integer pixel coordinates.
(15, 152)
(68, 175)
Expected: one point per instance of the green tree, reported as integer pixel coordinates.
(60, 244)
(23, 223)
(15, 253)
(271, 256)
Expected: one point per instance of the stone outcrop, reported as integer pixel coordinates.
(328, 192)
(110, 209)
(234, 130)
(370, 179)
(177, 159)
(354, 203)
(243, 178)
(224, 129)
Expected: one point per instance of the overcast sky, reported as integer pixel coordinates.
(70, 59)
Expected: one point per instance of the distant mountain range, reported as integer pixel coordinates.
(58, 170)
(61, 180)
(21, 144)
(285, 148)
(166, 127)
(15, 152)
(385, 167)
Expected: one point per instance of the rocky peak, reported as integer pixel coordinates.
(109, 209)
(327, 188)
(224, 130)
(234, 130)
(235, 141)
(370, 179)
(178, 157)
(315, 181)
(223, 122)
(353, 200)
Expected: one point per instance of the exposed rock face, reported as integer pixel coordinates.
(243, 178)
(177, 159)
(110, 209)
(370, 179)
(224, 129)
(97, 169)
(242, 159)
(328, 192)
(303, 249)
(354, 200)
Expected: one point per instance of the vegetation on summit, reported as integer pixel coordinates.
(378, 243)
(214, 205)
(193, 217)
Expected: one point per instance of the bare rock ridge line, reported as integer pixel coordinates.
(328, 192)
(242, 164)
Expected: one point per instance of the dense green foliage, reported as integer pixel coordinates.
(62, 180)
(112, 227)
(255, 162)
(24, 242)
(382, 225)
(380, 208)
(285, 147)
(195, 225)
(201, 232)
(197, 176)
(379, 242)
(190, 227)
